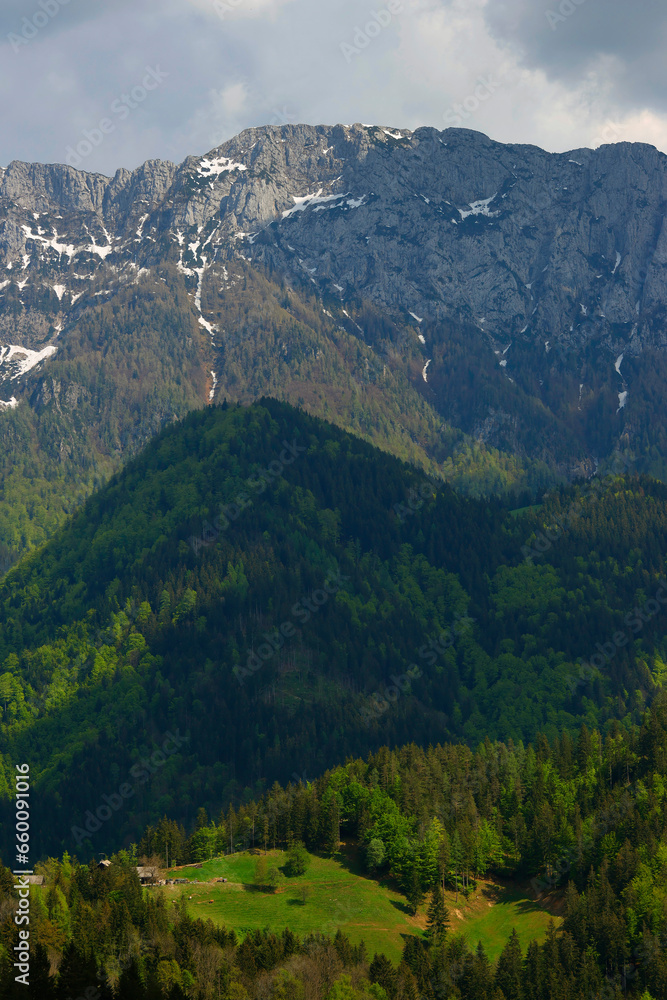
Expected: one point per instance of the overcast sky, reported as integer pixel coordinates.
(124, 81)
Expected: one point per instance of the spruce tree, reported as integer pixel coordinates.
(76, 973)
(261, 872)
(415, 892)
(437, 917)
(510, 968)
(383, 972)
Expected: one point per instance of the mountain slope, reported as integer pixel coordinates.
(492, 312)
(282, 595)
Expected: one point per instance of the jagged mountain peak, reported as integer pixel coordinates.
(487, 289)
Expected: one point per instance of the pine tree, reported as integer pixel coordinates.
(407, 983)
(417, 959)
(41, 983)
(415, 892)
(261, 872)
(76, 973)
(231, 826)
(383, 972)
(437, 917)
(456, 853)
(509, 968)
(131, 982)
(482, 974)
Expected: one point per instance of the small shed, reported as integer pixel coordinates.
(148, 874)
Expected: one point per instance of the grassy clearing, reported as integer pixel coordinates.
(339, 895)
(491, 913)
(336, 897)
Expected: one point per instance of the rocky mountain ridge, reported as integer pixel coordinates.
(512, 299)
(535, 230)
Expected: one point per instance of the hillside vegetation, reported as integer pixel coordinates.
(579, 827)
(267, 594)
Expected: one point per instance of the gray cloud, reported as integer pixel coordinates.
(230, 64)
(569, 39)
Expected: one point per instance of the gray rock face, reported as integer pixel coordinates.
(556, 264)
(445, 222)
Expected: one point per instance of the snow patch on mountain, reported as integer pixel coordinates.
(22, 359)
(102, 252)
(60, 248)
(218, 165)
(305, 201)
(480, 207)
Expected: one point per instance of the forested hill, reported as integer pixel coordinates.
(333, 267)
(577, 827)
(265, 594)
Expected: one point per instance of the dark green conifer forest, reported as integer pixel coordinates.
(265, 632)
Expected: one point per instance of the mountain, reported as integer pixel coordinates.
(493, 313)
(260, 594)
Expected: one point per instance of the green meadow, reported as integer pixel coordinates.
(333, 894)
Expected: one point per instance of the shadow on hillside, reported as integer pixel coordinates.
(508, 892)
(402, 907)
(349, 856)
